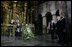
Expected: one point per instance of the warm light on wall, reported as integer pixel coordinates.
(15, 1)
(25, 3)
(32, 9)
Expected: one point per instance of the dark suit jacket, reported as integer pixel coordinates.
(63, 23)
(60, 25)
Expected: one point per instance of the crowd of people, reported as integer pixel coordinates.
(19, 28)
(59, 28)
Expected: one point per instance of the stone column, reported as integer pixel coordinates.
(24, 17)
(25, 8)
(31, 16)
(14, 17)
(6, 15)
(14, 10)
(10, 15)
(44, 24)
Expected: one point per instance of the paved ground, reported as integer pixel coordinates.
(43, 40)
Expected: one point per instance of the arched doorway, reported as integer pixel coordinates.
(48, 19)
(38, 25)
(57, 13)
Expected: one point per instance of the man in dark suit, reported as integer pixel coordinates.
(65, 38)
(59, 29)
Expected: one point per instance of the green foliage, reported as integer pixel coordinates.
(27, 33)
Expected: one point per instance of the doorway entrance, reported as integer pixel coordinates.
(48, 19)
